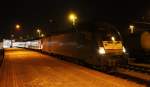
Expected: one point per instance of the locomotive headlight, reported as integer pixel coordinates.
(113, 38)
(124, 50)
(101, 50)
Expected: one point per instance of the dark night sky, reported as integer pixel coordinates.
(38, 12)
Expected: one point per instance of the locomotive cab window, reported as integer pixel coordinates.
(109, 40)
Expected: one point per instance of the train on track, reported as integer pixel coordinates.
(99, 45)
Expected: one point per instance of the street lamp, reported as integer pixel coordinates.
(131, 27)
(42, 35)
(39, 32)
(73, 18)
(17, 26)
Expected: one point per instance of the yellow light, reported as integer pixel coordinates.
(101, 50)
(42, 35)
(131, 27)
(113, 38)
(73, 18)
(17, 26)
(38, 30)
(124, 50)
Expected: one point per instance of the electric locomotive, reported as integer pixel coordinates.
(98, 45)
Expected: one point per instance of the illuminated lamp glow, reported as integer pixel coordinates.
(101, 50)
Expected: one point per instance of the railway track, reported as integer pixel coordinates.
(136, 68)
(132, 78)
(135, 73)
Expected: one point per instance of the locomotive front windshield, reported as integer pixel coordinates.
(110, 41)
